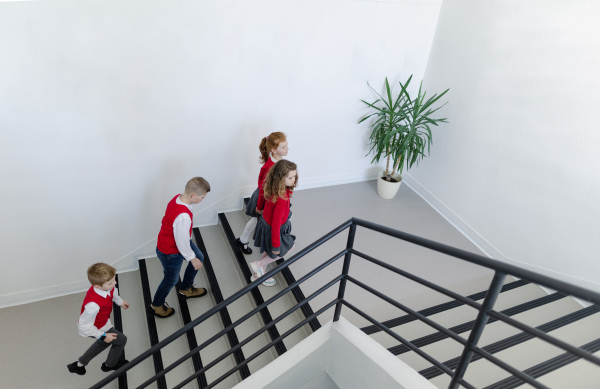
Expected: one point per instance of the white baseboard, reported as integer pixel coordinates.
(207, 216)
(485, 246)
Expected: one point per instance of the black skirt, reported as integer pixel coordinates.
(263, 238)
(251, 207)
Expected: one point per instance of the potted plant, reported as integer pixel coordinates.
(400, 133)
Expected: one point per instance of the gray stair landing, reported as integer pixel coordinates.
(225, 270)
(166, 327)
(237, 220)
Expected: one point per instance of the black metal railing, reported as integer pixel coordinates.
(470, 348)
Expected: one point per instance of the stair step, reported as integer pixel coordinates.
(212, 326)
(533, 313)
(372, 329)
(118, 324)
(528, 354)
(237, 222)
(165, 327)
(514, 340)
(136, 329)
(289, 278)
(246, 275)
(455, 317)
(546, 367)
(229, 280)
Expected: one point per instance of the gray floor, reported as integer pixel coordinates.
(318, 211)
(47, 346)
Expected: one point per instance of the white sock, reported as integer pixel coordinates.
(79, 364)
(248, 230)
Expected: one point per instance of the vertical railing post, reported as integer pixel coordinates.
(345, 268)
(480, 322)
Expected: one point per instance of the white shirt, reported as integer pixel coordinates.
(181, 231)
(88, 317)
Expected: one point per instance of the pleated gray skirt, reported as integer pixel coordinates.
(251, 207)
(263, 238)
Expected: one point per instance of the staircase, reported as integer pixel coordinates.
(431, 341)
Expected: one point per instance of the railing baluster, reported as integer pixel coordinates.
(480, 322)
(346, 267)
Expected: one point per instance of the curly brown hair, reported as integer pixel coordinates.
(274, 187)
(268, 143)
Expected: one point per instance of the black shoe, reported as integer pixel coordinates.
(119, 365)
(243, 246)
(163, 311)
(73, 368)
(293, 237)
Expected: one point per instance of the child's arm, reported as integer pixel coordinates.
(276, 225)
(118, 300)
(87, 319)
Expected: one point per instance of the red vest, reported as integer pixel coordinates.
(105, 305)
(166, 240)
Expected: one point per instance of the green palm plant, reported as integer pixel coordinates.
(402, 127)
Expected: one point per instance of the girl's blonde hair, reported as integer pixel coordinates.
(274, 187)
(270, 142)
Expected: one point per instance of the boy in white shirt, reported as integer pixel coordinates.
(174, 245)
(94, 321)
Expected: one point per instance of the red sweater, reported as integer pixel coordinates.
(276, 214)
(105, 305)
(261, 182)
(166, 239)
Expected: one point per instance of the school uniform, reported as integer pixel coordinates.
(257, 199)
(94, 321)
(273, 232)
(174, 246)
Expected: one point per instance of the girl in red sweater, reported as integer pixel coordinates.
(272, 149)
(273, 234)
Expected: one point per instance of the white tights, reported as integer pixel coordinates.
(265, 259)
(248, 230)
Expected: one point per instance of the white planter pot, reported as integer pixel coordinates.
(388, 190)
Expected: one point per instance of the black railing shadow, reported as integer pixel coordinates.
(470, 348)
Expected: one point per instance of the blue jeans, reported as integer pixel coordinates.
(171, 268)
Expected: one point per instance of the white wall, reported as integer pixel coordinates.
(517, 168)
(108, 107)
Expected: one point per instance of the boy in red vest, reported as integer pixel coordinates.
(94, 321)
(175, 245)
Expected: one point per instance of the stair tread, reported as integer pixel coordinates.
(448, 348)
(230, 282)
(459, 315)
(237, 221)
(530, 353)
(166, 327)
(580, 374)
(206, 330)
(135, 328)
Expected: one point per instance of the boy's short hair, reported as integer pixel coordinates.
(197, 185)
(100, 273)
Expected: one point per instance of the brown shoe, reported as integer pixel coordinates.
(163, 311)
(193, 292)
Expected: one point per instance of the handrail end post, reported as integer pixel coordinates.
(482, 319)
(345, 269)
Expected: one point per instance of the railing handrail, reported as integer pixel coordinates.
(501, 268)
(494, 264)
(152, 350)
